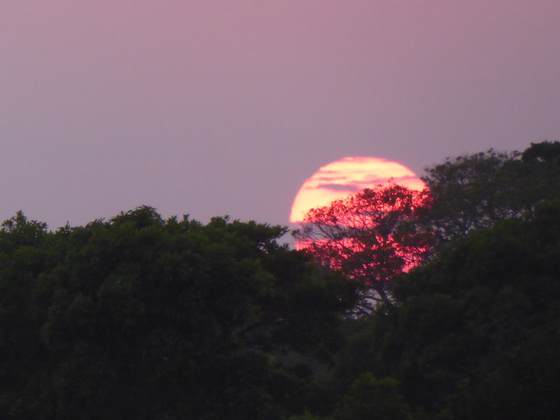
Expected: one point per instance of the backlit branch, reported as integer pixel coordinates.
(371, 236)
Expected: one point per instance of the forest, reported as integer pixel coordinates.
(440, 304)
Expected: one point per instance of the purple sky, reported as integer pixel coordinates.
(227, 107)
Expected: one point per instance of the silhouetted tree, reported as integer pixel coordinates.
(471, 192)
(475, 334)
(475, 191)
(141, 317)
(544, 152)
(370, 236)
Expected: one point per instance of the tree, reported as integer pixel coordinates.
(373, 398)
(475, 334)
(475, 191)
(23, 256)
(544, 152)
(141, 317)
(540, 176)
(370, 236)
(471, 192)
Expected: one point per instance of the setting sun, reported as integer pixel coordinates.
(346, 176)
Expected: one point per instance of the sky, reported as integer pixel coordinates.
(221, 107)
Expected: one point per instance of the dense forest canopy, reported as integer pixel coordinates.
(152, 318)
(141, 317)
(474, 334)
(475, 191)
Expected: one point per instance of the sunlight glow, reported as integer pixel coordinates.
(347, 176)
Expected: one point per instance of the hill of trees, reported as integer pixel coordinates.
(144, 318)
(150, 318)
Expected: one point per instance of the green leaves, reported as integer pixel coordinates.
(140, 317)
(466, 325)
(475, 191)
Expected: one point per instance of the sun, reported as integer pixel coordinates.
(346, 176)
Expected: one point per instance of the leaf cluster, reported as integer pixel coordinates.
(474, 332)
(370, 236)
(475, 191)
(141, 317)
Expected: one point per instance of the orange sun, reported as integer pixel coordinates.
(346, 176)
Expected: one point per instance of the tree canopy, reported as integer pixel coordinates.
(474, 334)
(152, 318)
(475, 191)
(140, 317)
(370, 236)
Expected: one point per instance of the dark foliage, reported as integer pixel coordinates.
(371, 236)
(475, 191)
(476, 333)
(146, 318)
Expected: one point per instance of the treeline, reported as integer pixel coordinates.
(141, 317)
(474, 331)
(144, 318)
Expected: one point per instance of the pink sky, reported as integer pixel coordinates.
(227, 107)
